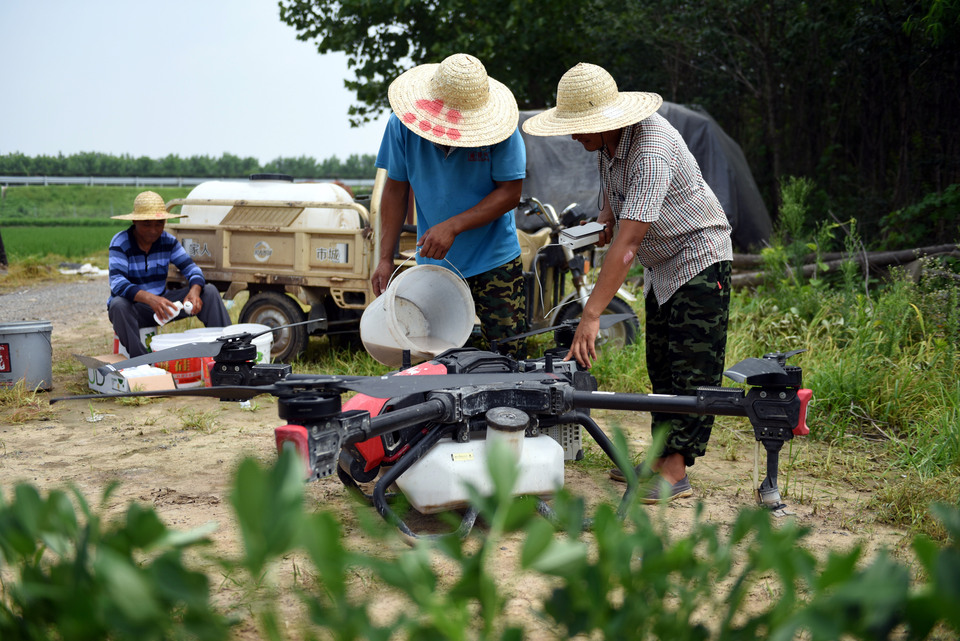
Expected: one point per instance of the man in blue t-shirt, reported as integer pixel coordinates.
(140, 257)
(453, 139)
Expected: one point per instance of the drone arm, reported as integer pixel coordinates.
(435, 409)
(721, 401)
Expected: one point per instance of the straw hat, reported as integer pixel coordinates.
(588, 102)
(148, 205)
(454, 103)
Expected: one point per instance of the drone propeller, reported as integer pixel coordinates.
(203, 349)
(374, 386)
(606, 322)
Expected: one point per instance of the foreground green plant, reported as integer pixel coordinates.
(75, 577)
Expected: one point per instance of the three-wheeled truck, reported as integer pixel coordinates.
(302, 251)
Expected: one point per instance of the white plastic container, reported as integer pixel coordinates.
(426, 309)
(163, 321)
(281, 190)
(464, 465)
(438, 482)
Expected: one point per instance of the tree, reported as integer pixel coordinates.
(525, 45)
(859, 96)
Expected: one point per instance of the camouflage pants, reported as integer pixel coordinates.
(686, 341)
(501, 307)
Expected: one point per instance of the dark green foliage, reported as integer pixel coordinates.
(934, 220)
(858, 96)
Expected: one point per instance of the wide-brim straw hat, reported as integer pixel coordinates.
(148, 205)
(588, 102)
(454, 103)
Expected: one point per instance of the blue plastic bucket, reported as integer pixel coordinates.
(26, 353)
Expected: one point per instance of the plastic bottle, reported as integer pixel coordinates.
(163, 321)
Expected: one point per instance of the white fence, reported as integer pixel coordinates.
(144, 181)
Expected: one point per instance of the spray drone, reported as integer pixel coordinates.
(421, 424)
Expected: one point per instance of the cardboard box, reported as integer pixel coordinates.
(144, 378)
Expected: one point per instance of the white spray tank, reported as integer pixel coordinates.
(274, 187)
(438, 481)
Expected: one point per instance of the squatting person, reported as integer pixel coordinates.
(140, 257)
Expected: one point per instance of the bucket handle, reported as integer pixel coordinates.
(454, 267)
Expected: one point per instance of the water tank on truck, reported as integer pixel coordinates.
(302, 250)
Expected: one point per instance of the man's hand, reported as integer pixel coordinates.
(193, 297)
(606, 219)
(436, 241)
(583, 348)
(381, 276)
(165, 309)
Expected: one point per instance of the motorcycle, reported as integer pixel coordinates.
(546, 264)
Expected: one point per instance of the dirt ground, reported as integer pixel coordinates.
(179, 454)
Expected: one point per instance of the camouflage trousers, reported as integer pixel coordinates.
(686, 342)
(501, 307)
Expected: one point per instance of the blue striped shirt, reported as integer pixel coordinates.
(132, 270)
(654, 178)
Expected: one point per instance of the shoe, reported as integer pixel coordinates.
(680, 489)
(641, 471)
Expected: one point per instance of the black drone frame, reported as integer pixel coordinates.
(550, 392)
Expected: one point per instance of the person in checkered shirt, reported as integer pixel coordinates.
(658, 210)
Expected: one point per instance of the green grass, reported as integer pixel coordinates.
(66, 222)
(73, 243)
(30, 202)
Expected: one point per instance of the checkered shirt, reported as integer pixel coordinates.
(654, 178)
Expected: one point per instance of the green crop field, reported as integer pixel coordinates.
(71, 242)
(69, 222)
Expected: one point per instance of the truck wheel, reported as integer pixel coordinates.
(274, 309)
(618, 334)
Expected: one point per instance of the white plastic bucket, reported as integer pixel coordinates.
(427, 309)
(26, 353)
(189, 372)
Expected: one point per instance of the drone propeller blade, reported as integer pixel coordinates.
(609, 320)
(187, 350)
(225, 393)
(191, 350)
(752, 367)
(279, 327)
(375, 386)
(606, 322)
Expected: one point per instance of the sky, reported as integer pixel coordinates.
(184, 77)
